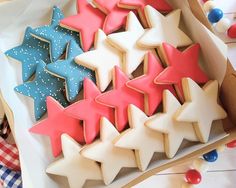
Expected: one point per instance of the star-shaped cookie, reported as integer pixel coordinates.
(142, 139)
(73, 73)
(73, 165)
(145, 84)
(29, 53)
(174, 131)
(87, 21)
(90, 111)
(102, 60)
(120, 97)
(201, 107)
(112, 158)
(55, 35)
(163, 29)
(42, 86)
(180, 65)
(56, 124)
(126, 42)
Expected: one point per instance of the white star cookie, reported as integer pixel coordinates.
(163, 29)
(174, 131)
(133, 55)
(74, 166)
(112, 158)
(201, 107)
(101, 60)
(143, 140)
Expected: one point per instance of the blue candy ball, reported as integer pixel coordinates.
(212, 156)
(215, 15)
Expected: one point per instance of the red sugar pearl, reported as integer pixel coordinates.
(231, 144)
(193, 177)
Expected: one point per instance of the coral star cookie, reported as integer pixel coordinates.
(120, 97)
(133, 54)
(29, 53)
(145, 84)
(201, 107)
(143, 140)
(180, 65)
(112, 158)
(163, 29)
(56, 124)
(101, 60)
(90, 111)
(116, 16)
(160, 5)
(174, 131)
(87, 21)
(72, 73)
(55, 35)
(74, 166)
(42, 86)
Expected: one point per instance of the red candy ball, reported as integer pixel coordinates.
(231, 144)
(232, 31)
(193, 177)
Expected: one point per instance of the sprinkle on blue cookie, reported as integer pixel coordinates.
(29, 53)
(73, 73)
(57, 36)
(42, 86)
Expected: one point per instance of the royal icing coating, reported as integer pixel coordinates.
(201, 107)
(115, 16)
(73, 165)
(120, 97)
(42, 86)
(73, 73)
(180, 65)
(102, 60)
(87, 21)
(174, 131)
(112, 158)
(133, 55)
(145, 84)
(55, 35)
(90, 111)
(142, 139)
(56, 124)
(163, 29)
(29, 53)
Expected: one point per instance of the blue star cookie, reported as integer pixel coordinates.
(55, 35)
(42, 86)
(29, 53)
(73, 73)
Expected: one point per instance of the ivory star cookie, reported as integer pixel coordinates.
(56, 124)
(102, 60)
(180, 65)
(112, 158)
(143, 140)
(201, 107)
(126, 42)
(29, 53)
(87, 21)
(72, 73)
(120, 97)
(174, 131)
(90, 111)
(42, 86)
(73, 165)
(163, 29)
(116, 16)
(55, 35)
(145, 84)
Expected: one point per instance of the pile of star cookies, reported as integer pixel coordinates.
(155, 100)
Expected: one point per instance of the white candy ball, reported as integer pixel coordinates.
(208, 6)
(187, 185)
(223, 25)
(201, 165)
